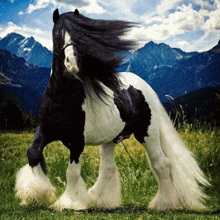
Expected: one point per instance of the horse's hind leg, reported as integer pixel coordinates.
(106, 192)
(76, 195)
(166, 197)
(32, 184)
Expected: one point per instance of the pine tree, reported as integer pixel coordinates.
(12, 114)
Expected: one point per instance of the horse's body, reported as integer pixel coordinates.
(110, 127)
(81, 106)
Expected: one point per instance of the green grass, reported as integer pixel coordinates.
(138, 183)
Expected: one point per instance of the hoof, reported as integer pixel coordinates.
(163, 202)
(33, 186)
(66, 203)
(105, 201)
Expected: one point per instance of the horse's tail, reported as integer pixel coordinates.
(185, 172)
(32, 184)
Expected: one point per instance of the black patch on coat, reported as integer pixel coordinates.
(137, 120)
(62, 117)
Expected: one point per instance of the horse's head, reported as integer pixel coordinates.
(70, 52)
(64, 47)
(90, 49)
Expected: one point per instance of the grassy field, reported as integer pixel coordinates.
(138, 183)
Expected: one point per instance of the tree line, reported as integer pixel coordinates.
(13, 116)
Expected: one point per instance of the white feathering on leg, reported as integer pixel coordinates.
(32, 185)
(76, 195)
(107, 190)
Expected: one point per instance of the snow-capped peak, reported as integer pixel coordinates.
(32, 51)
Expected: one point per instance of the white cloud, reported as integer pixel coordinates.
(217, 3)
(182, 44)
(213, 22)
(93, 7)
(206, 42)
(175, 19)
(165, 5)
(39, 4)
(138, 34)
(164, 21)
(183, 20)
(78, 3)
(88, 6)
(120, 9)
(172, 19)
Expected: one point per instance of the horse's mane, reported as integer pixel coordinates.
(99, 46)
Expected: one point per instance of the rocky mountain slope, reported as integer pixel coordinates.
(25, 80)
(32, 51)
(170, 71)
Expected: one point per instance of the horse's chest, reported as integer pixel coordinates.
(102, 121)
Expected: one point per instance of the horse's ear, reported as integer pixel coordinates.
(56, 16)
(76, 12)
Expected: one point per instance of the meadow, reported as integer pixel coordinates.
(137, 181)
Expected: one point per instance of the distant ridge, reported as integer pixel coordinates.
(201, 106)
(32, 51)
(153, 56)
(25, 80)
(171, 71)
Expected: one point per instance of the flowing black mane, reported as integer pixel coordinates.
(99, 47)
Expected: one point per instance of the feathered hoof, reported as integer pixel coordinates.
(33, 186)
(105, 201)
(66, 203)
(163, 203)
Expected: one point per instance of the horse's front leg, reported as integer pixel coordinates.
(75, 196)
(32, 184)
(107, 191)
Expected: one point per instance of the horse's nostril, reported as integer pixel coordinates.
(67, 59)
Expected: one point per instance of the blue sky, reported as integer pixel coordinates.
(190, 25)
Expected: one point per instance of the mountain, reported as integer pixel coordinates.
(188, 75)
(199, 106)
(153, 56)
(25, 80)
(171, 71)
(32, 51)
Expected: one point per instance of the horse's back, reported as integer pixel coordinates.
(129, 78)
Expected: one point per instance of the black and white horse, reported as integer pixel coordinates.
(88, 102)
